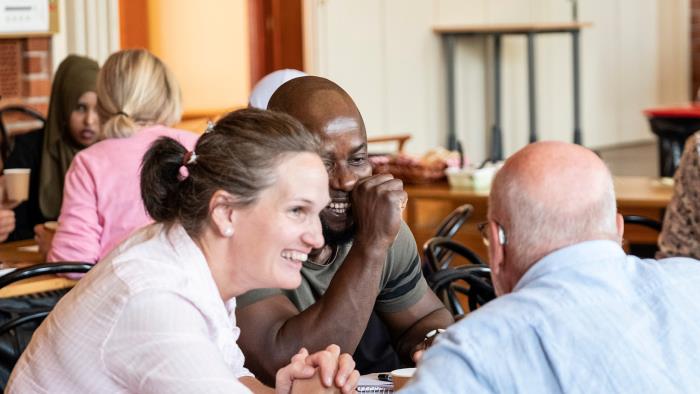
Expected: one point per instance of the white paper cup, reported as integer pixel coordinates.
(17, 184)
(401, 376)
(51, 226)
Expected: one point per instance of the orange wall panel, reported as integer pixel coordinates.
(206, 45)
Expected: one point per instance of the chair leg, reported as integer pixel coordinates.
(454, 302)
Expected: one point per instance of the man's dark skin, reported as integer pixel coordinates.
(273, 329)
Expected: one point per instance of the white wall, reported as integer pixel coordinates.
(86, 27)
(385, 54)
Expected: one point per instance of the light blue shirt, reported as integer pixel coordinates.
(584, 319)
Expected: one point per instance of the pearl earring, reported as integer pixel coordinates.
(228, 231)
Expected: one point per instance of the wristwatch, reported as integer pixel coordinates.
(430, 337)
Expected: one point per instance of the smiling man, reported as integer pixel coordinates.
(364, 289)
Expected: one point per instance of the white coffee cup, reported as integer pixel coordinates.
(17, 184)
(401, 376)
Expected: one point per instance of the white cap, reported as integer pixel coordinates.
(267, 86)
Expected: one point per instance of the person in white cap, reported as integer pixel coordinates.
(264, 89)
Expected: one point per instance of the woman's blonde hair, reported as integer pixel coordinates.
(135, 88)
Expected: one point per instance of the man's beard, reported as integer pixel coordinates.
(335, 238)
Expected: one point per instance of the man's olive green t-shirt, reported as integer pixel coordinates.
(402, 284)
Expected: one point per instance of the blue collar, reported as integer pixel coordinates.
(576, 256)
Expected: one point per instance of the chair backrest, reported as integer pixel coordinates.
(438, 253)
(470, 281)
(4, 132)
(20, 316)
(643, 250)
(400, 140)
(643, 221)
(454, 221)
(447, 229)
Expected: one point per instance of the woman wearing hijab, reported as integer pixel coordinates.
(72, 125)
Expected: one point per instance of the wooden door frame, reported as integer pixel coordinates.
(276, 36)
(137, 34)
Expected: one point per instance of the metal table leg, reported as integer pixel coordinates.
(449, 43)
(496, 136)
(577, 87)
(531, 86)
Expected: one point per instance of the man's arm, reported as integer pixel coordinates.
(273, 329)
(463, 374)
(410, 325)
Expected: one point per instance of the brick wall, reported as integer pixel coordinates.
(25, 78)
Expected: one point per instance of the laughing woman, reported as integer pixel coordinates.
(239, 212)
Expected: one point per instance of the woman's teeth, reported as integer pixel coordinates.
(295, 256)
(339, 207)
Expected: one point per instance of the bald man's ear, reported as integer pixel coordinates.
(620, 222)
(495, 248)
(497, 261)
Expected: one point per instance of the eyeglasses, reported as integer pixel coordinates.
(484, 231)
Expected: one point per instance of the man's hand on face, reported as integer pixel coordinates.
(377, 203)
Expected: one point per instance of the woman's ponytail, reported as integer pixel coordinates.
(161, 179)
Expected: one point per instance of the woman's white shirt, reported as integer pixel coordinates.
(146, 319)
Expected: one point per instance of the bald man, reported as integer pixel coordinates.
(363, 290)
(573, 312)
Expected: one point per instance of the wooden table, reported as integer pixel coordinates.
(429, 204)
(19, 253)
(15, 255)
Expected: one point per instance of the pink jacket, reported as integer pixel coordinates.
(102, 195)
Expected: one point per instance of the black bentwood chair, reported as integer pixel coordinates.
(25, 112)
(472, 280)
(20, 316)
(439, 253)
(446, 229)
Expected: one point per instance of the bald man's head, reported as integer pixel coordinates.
(550, 195)
(327, 110)
(315, 102)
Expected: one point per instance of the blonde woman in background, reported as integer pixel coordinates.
(138, 99)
